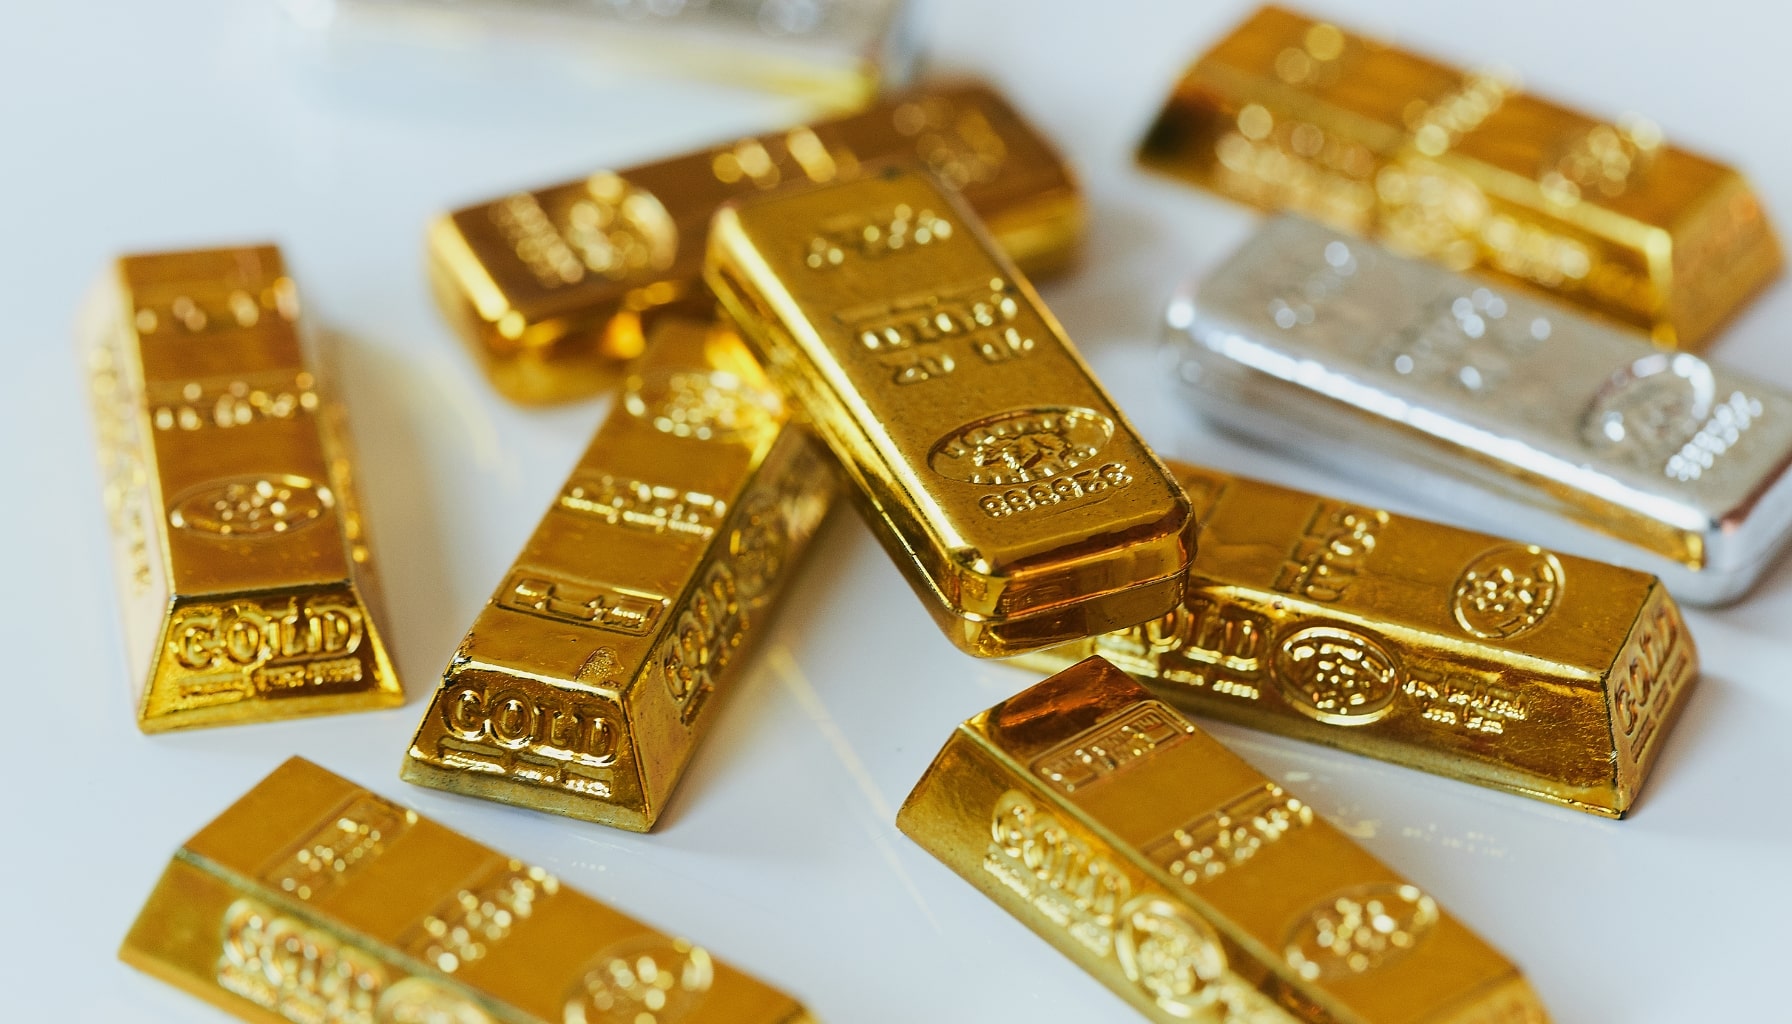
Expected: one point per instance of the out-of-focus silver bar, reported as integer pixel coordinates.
(1512, 413)
(839, 52)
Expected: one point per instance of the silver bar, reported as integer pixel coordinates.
(1513, 414)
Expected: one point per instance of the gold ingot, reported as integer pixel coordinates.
(313, 899)
(998, 474)
(1464, 168)
(240, 548)
(584, 686)
(1183, 879)
(1449, 651)
(540, 283)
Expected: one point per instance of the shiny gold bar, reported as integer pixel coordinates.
(312, 899)
(535, 281)
(1184, 880)
(240, 549)
(1449, 651)
(1465, 169)
(586, 683)
(1021, 505)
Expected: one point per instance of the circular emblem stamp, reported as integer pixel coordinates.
(1359, 929)
(1646, 411)
(759, 546)
(1021, 446)
(1337, 675)
(420, 1001)
(1172, 955)
(619, 229)
(714, 406)
(250, 506)
(1506, 591)
(645, 980)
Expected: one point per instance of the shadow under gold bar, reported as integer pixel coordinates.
(313, 899)
(535, 281)
(240, 548)
(1449, 651)
(1289, 112)
(1183, 879)
(1018, 501)
(586, 683)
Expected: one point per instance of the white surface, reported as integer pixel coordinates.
(139, 125)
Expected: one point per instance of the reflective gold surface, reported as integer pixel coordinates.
(535, 281)
(1449, 651)
(1464, 168)
(1183, 879)
(990, 463)
(314, 900)
(585, 684)
(240, 549)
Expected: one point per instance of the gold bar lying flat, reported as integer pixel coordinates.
(535, 281)
(1463, 168)
(1183, 879)
(241, 553)
(996, 471)
(312, 899)
(585, 684)
(1440, 649)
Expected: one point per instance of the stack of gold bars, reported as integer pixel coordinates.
(1494, 306)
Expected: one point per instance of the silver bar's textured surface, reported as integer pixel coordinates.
(1512, 413)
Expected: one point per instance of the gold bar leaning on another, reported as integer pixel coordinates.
(1183, 879)
(586, 683)
(313, 899)
(534, 282)
(1018, 501)
(1289, 112)
(241, 552)
(1441, 649)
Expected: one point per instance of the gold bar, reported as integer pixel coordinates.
(313, 899)
(534, 281)
(1021, 505)
(585, 684)
(1464, 168)
(1184, 880)
(1441, 649)
(240, 547)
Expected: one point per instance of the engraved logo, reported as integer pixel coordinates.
(708, 633)
(713, 406)
(1173, 956)
(759, 546)
(1359, 929)
(1111, 745)
(1659, 666)
(645, 980)
(1034, 854)
(250, 506)
(421, 1001)
(298, 972)
(1507, 591)
(545, 739)
(242, 647)
(1337, 675)
(1022, 446)
(1650, 408)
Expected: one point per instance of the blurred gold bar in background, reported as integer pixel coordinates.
(312, 899)
(535, 281)
(585, 684)
(997, 473)
(1183, 879)
(240, 548)
(1440, 649)
(1465, 169)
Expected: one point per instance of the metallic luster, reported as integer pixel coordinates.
(313, 899)
(240, 548)
(1466, 169)
(1183, 879)
(586, 683)
(1453, 652)
(1516, 415)
(998, 474)
(542, 284)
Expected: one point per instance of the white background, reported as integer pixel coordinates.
(161, 125)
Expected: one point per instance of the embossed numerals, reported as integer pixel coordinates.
(466, 925)
(907, 335)
(1110, 746)
(708, 632)
(1229, 835)
(536, 592)
(902, 229)
(348, 841)
(1046, 493)
(610, 230)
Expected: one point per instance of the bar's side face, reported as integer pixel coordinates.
(1465, 169)
(535, 280)
(584, 685)
(243, 551)
(312, 899)
(1184, 879)
(1453, 652)
(996, 468)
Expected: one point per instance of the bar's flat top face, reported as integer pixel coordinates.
(946, 377)
(1580, 411)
